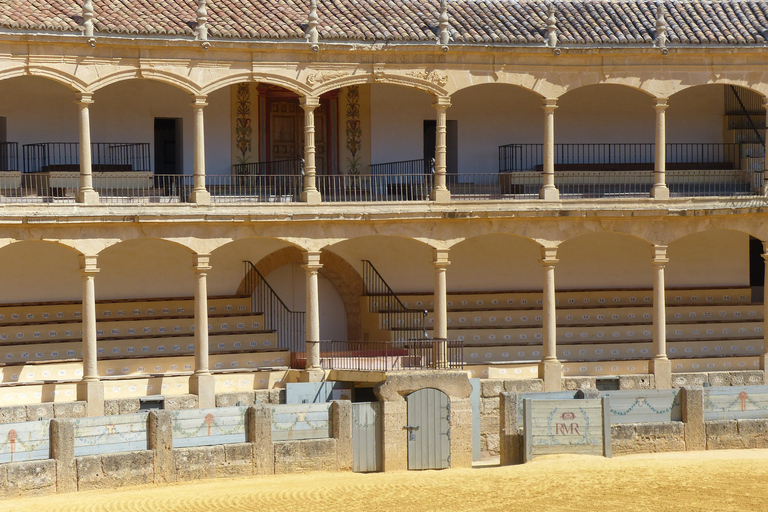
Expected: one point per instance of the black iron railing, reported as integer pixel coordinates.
(127, 187)
(105, 157)
(375, 187)
(9, 156)
(289, 325)
(277, 188)
(613, 157)
(406, 323)
(382, 356)
(405, 167)
(275, 168)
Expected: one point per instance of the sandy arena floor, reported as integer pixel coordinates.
(722, 480)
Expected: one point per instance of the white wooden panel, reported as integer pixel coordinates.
(644, 405)
(208, 427)
(25, 441)
(366, 437)
(728, 403)
(429, 440)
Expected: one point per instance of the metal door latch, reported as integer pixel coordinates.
(411, 429)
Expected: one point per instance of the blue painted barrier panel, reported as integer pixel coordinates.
(735, 402)
(301, 421)
(644, 405)
(209, 427)
(111, 434)
(25, 441)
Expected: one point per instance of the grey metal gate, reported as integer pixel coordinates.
(366, 437)
(429, 429)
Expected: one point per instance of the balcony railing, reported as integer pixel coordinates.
(382, 356)
(375, 187)
(469, 187)
(404, 167)
(270, 188)
(105, 157)
(9, 156)
(275, 168)
(620, 157)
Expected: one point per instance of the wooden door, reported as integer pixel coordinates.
(286, 133)
(429, 429)
(366, 437)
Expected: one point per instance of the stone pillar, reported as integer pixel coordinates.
(202, 383)
(548, 190)
(764, 355)
(87, 194)
(440, 192)
(62, 436)
(90, 389)
(660, 366)
(259, 431)
(550, 369)
(440, 332)
(199, 194)
(692, 401)
(660, 190)
(160, 441)
(310, 194)
(341, 420)
(312, 265)
(509, 435)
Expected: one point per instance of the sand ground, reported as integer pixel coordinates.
(721, 480)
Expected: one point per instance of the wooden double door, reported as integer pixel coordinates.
(285, 132)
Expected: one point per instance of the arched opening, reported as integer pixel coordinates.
(709, 259)
(495, 263)
(38, 271)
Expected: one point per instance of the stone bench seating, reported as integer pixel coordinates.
(54, 371)
(140, 308)
(139, 347)
(602, 316)
(577, 298)
(127, 328)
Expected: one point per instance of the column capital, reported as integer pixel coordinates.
(199, 101)
(441, 102)
(660, 255)
(201, 262)
(312, 260)
(309, 102)
(88, 264)
(84, 98)
(550, 104)
(661, 104)
(440, 258)
(549, 256)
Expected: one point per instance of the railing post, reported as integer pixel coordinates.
(764, 188)
(86, 194)
(199, 194)
(550, 369)
(548, 191)
(90, 388)
(440, 332)
(660, 189)
(312, 266)
(440, 192)
(310, 194)
(202, 383)
(660, 366)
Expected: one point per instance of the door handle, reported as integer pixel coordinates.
(411, 429)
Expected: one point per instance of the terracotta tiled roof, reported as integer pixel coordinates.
(471, 21)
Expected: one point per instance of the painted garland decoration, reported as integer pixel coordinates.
(354, 132)
(243, 127)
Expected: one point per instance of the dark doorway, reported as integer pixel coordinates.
(756, 269)
(5, 163)
(168, 146)
(452, 144)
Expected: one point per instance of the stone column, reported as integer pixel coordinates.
(312, 265)
(199, 194)
(660, 190)
(548, 190)
(660, 366)
(310, 194)
(87, 194)
(550, 369)
(764, 355)
(440, 192)
(202, 383)
(90, 388)
(440, 330)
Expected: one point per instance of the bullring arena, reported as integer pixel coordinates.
(246, 242)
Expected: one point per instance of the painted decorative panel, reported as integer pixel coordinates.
(729, 403)
(301, 421)
(25, 441)
(110, 434)
(645, 405)
(208, 427)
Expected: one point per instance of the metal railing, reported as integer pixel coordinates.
(105, 157)
(370, 187)
(404, 167)
(275, 168)
(611, 157)
(604, 184)
(289, 325)
(469, 187)
(382, 356)
(38, 188)
(128, 188)
(9, 156)
(713, 183)
(393, 314)
(255, 189)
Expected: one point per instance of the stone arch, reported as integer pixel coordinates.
(37, 270)
(422, 84)
(532, 84)
(65, 79)
(177, 81)
(634, 83)
(341, 274)
(265, 78)
(740, 82)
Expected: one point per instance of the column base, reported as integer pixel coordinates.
(312, 375)
(311, 197)
(551, 372)
(200, 197)
(660, 192)
(549, 194)
(661, 369)
(764, 189)
(440, 196)
(204, 386)
(92, 393)
(88, 197)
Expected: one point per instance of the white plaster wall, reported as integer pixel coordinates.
(289, 283)
(145, 268)
(710, 258)
(603, 261)
(227, 267)
(406, 265)
(494, 263)
(397, 122)
(39, 272)
(696, 115)
(126, 111)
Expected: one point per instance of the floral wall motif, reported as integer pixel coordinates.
(354, 132)
(243, 127)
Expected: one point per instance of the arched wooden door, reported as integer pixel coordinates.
(429, 429)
